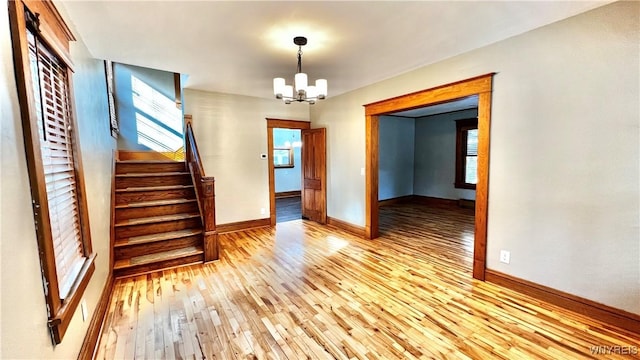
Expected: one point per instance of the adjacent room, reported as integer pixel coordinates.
(287, 161)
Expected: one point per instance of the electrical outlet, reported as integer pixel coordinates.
(262, 211)
(505, 256)
(85, 312)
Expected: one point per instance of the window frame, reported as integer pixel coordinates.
(111, 99)
(54, 33)
(462, 128)
(290, 161)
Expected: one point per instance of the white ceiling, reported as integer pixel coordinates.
(240, 46)
(470, 102)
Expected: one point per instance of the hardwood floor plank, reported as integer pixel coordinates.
(305, 291)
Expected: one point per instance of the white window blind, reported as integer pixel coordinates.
(51, 90)
(471, 158)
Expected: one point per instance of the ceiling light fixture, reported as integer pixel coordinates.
(304, 92)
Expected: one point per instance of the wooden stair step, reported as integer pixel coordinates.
(155, 188)
(134, 175)
(154, 203)
(158, 257)
(149, 167)
(151, 238)
(149, 162)
(156, 219)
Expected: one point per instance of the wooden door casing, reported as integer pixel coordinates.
(314, 174)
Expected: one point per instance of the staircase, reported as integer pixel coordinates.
(157, 223)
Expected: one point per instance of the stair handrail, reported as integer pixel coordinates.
(205, 192)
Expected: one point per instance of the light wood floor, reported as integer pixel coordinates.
(305, 291)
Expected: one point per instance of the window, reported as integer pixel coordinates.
(466, 153)
(108, 69)
(283, 157)
(43, 77)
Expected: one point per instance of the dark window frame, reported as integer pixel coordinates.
(43, 19)
(462, 128)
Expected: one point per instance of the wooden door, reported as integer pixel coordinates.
(314, 175)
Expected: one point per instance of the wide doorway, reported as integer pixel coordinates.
(479, 86)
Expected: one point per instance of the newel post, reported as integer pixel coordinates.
(211, 246)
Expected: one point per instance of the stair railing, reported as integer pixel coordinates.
(205, 192)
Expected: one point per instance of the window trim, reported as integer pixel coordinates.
(462, 126)
(56, 35)
(288, 165)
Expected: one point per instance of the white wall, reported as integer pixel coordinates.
(396, 164)
(23, 316)
(231, 132)
(435, 156)
(564, 170)
(288, 179)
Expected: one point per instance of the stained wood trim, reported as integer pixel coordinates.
(397, 200)
(63, 316)
(356, 230)
(372, 137)
(615, 317)
(94, 332)
(466, 203)
(430, 201)
(432, 96)
(288, 124)
(60, 313)
(287, 194)
(112, 232)
(481, 86)
(482, 187)
(177, 90)
(463, 126)
(243, 225)
(53, 28)
(281, 124)
(435, 202)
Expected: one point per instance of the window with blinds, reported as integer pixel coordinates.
(51, 93)
(115, 129)
(471, 158)
(466, 153)
(44, 82)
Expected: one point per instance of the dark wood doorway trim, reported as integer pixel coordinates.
(280, 124)
(480, 86)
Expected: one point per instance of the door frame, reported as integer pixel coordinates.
(279, 124)
(480, 86)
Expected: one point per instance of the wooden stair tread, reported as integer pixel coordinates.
(154, 203)
(145, 239)
(155, 188)
(148, 174)
(157, 257)
(149, 162)
(155, 219)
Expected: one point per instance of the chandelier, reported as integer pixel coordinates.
(303, 91)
